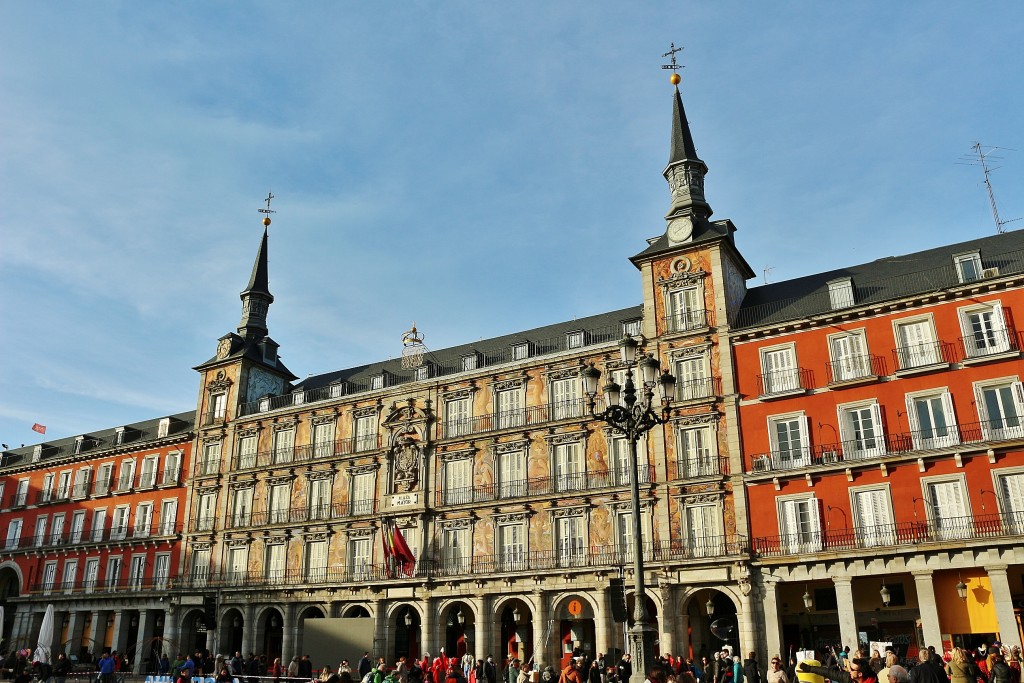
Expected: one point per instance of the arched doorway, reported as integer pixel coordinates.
(516, 631)
(232, 625)
(575, 616)
(711, 616)
(311, 612)
(459, 622)
(10, 587)
(193, 631)
(356, 612)
(273, 633)
(407, 633)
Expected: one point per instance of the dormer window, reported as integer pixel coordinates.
(575, 339)
(298, 397)
(423, 372)
(840, 293)
(269, 351)
(631, 328)
(521, 351)
(968, 266)
(79, 440)
(470, 362)
(377, 382)
(37, 452)
(119, 436)
(337, 389)
(163, 428)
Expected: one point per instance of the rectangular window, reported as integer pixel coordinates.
(968, 267)
(631, 328)
(469, 362)
(126, 476)
(279, 503)
(284, 445)
(376, 382)
(91, 575)
(571, 548)
(57, 529)
(238, 564)
(113, 572)
(46, 490)
(779, 370)
(13, 534)
(241, 506)
(873, 517)
(143, 520)
(932, 422)
(360, 558)
(323, 440)
(64, 485)
(316, 561)
(570, 473)
(575, 340)
(172, 468)
(799, 525)
(211, 458)
(161, 571)
(456, 417)
(789, 440)
(509, 408)
(275, 561)
(697, 452)
(320, 498)
(136, 572)
(692, 380)
(206, 514)
(687, 309)
(840, 293)
(39, 538)
(704, 534)
(247, 451)
(521, 351)
(103, 477)
(948, 509)
(455, 551)
(21, 494)
(916, 345)
(119, 523)
(99, 522)
(150, 464)
(985, 331)
(366, 432)
(168, 517)
(81, 486)
(860, 428)
(1010, 490)
(1001, 408)
(458, 481)
(218, 405)
(512, 479)
(565, 399)
(77, 526)
(512, 546)
(618, 460)
(363, 493)
(70, 573)
(849, 356)
(200, 571)
(49, 576)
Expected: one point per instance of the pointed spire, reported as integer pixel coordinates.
(256, 298)
(682, 141)
(685, 171)
(259, 281)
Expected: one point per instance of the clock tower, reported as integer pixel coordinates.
(685, 175)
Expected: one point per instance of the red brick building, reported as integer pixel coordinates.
(882, 419)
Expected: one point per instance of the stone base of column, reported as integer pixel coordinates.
(641, 643)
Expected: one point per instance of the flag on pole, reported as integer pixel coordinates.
(402, 553)
(389, 549)
(39, 428)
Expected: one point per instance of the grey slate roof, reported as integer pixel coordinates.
(601, 328)
(259, 281)
(682, 141)
(703, 231)
(886, 279)
(136, 435)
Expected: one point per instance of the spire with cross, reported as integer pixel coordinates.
(671, 54)
(267, 211)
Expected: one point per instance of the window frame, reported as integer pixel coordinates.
(997, 336)
(879, 533)
(799, 544)
(917, 436)
(851, 447)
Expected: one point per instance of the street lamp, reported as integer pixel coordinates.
(709, 607)
(961, 590)
(408, 619)
(633, 416)
(808, 600)
(886, 595)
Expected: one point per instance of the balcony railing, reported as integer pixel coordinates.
(703, 466)
(112, 585)
(315, 451)
(923, 355)
(990, 343)
(784, 381)
(514, 419)
(695, 389)
(206, 467)
(712, 548)
(971, 433)
(685, 321)
(296, 515)
(989, 526)
(72, 537)
(517, 488)
(853, 368)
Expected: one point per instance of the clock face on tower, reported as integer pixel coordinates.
(680, 229)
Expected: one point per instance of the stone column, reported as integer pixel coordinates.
(98, 632)
(1008, 633)
(249, 629)
(601, 621)
(380, 631)
(172, 633)
(926, 606)
(847, 617)
(540, 629)
(748, 625)
(667, 619)
(145, 648)
(772, 627)
(288, 633)
(120, 629)
(76, 625)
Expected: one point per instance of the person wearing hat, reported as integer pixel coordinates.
(859, 671)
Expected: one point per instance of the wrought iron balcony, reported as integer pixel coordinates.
(854, 450)
(69, 537)
(986, 343)
(784, 382)
(685, 321)
(119, 585)
(315, 451)
(923, 355)
(938, 530)
(853, 368)
(696, 389)
(539, 486)
(515, 419)
(702, 466)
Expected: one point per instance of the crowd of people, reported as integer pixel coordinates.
(986, 664)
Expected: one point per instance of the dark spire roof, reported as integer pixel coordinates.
(682, 141)
(259, 280)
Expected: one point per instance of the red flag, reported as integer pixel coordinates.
(406, 560)
(389, 550)
(39, 428)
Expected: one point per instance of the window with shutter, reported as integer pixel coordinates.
(1001, 410)
(149, 467)
(618, 457)
(565, 402)
(363, 494)
(703, 530)
(114, 572)
(849, 356)
(790, 445)
(119, 523)
(455, 551)
(70, 572)
(687, 309)
(13, 534)
(49, 576)
(984, 331)
(320, 498)
(57, 529)
(241, 507)
(779, 370)
(366, 432)
(161, 571)
(323, 440)
(458, 480)
(99, 521)
(143, 520)
(77, 526)
(81, 486)
(360, 562)
(247, 446)
(136, 572)
(873, 517)
(200, 571)
(569, 472)
(284, 445)
(512, 474)
(571, 551)
(697, 457)
(456, 417)
(211, 458)
(280, 502)
(799, 525)
(1011, 492)
(860, 428)
(932, 422)
(168, 517)
(207, 512)
(274, 562)
(949, 510)
(509, 409)
(916, 344)
(316, 561)
(512, 547)
(91, 574)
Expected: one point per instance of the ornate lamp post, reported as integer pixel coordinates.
(632, 416)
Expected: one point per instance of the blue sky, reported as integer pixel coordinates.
(478, 167)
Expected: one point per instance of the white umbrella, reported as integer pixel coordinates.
(42, 653)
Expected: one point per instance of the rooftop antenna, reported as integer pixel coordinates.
(767, 269)
(983, 155)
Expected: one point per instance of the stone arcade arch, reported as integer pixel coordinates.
(516, 628)
(458, 622)
(406, 622)
(307, 612)
(575, 626)
(229, 631)
(696, 636)
(10, 587)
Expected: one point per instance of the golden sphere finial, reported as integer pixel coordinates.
(266, 221)
(674, 79)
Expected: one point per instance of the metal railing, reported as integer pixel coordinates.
(89, 535)
(707, 548)
(893, 443)
(702, 466)
(314, 451)
(990, 343)
(855, 367)
(538, 486)
(120, 584)
(684, 321)
(935, 530)
(784, 381)
(923, 355)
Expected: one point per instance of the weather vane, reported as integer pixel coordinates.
(267, 211)
(671, 54)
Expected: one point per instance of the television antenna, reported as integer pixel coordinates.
(981, 157)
